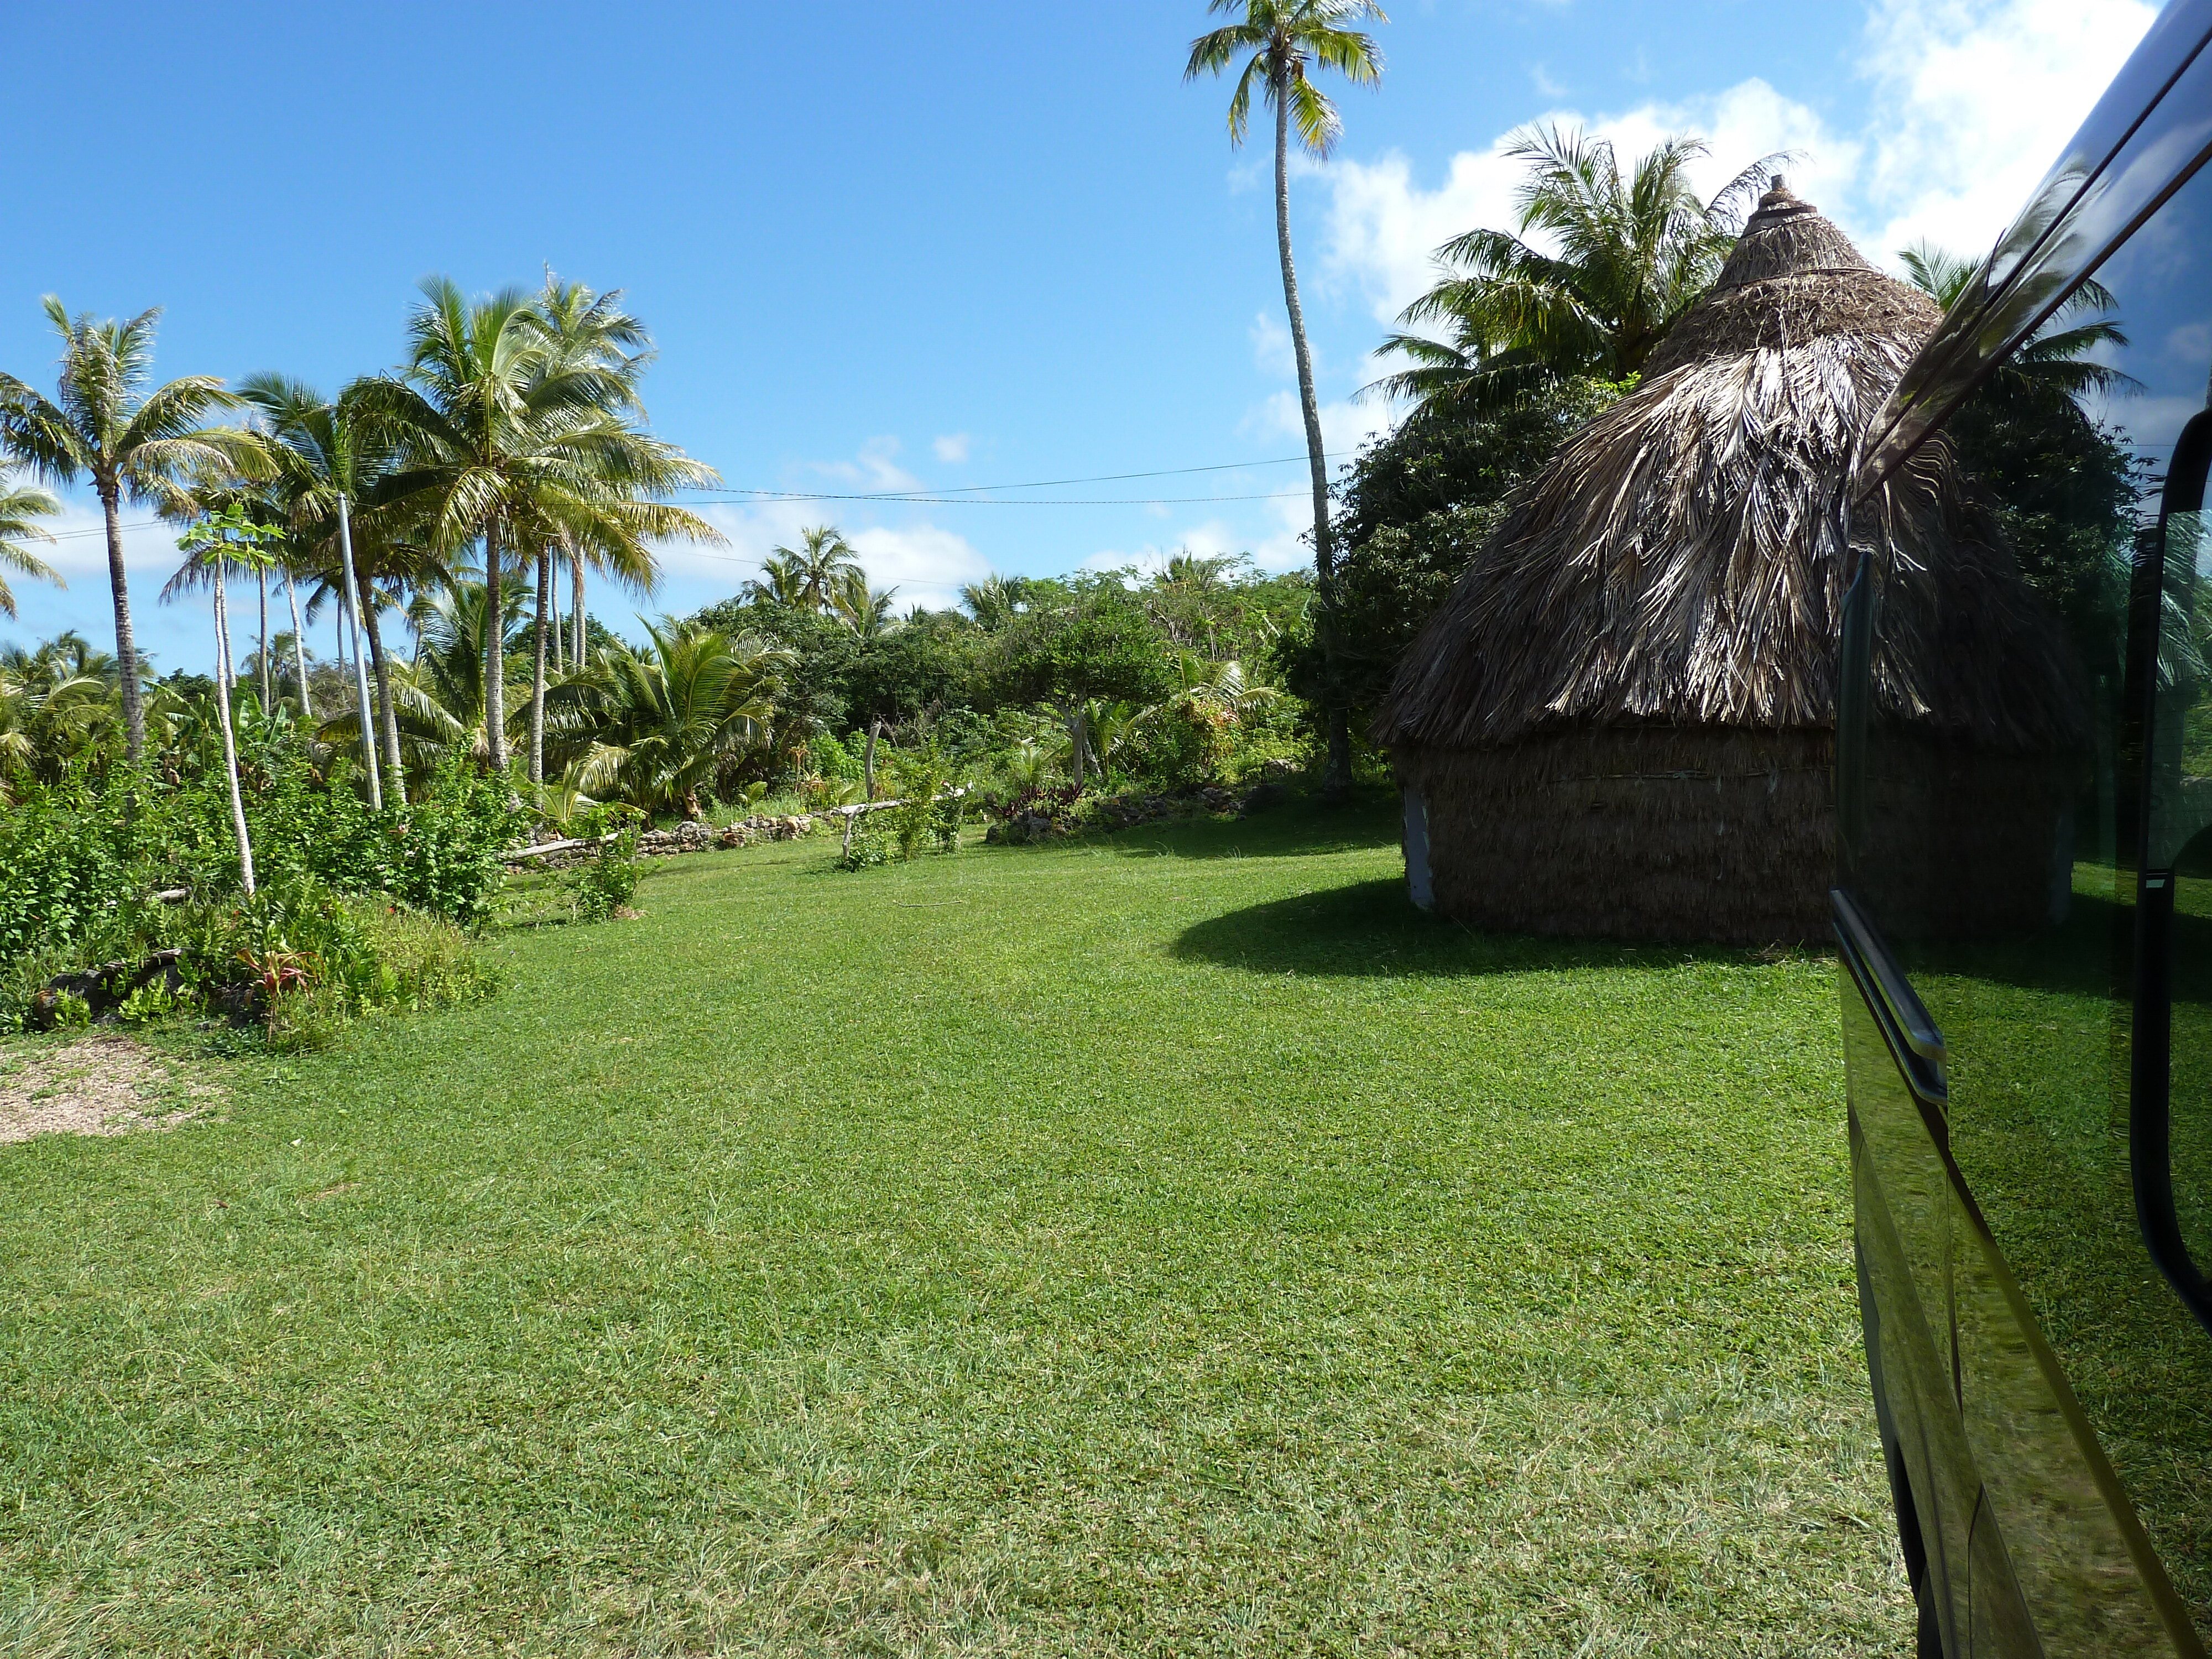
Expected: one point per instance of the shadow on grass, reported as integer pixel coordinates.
(1370, 929)
(1300, 830)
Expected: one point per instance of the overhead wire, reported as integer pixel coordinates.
(956, 495)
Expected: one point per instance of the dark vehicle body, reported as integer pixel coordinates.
(2031, 1106)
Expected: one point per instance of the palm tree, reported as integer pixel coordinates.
(106, 426)
(994, 601)
(866, 610)
(823, 563)
(2055, 358)
(782, 581)
(48, 711)
(653, 726)
(1278, 40)
(323, 450)
(439, 698)
(587, 332)
(506, 441)
(1634, 251)
(22, 506)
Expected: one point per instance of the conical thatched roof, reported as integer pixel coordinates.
(1675, 562)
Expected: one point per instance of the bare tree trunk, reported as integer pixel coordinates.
(268, 668)
(495, 656)
(300, 651)
(1336, 779)
(127, 648)
(222, 672)
(868, 759)
(387, 717)
(1075, 738)
(538, 669)
(560, 631)
(576, 614)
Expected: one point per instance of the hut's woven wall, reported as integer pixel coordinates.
(1707, 833)
(1636, 833)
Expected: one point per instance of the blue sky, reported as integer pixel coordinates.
(908, 247)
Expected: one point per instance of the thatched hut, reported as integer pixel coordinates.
(1622, 722)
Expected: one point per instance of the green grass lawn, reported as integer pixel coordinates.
(1168, 1245)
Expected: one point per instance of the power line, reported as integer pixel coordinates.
(1049, 483)
(973, 500)
(956, 495)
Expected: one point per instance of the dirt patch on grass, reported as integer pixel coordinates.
(102, 1085)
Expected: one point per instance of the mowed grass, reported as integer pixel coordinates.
(1168, 1245)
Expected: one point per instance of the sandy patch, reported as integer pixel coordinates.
(102, 1085)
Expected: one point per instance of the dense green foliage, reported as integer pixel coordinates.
(109, 864)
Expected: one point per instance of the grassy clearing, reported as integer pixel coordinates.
(1175, 1245)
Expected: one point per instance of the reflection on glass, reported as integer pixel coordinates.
(2009, 800)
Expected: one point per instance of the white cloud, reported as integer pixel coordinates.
(1973, 100)
(926, 564)
(952, 448)
(873, 468)
(1271, 348)
(1345, 425)
(1383, 228)
(1544, 83)
(1969, 102)
(80, 547)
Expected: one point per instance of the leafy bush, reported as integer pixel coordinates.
(869, 845)
(603, 885)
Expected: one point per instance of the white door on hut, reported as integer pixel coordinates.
(1419, 887)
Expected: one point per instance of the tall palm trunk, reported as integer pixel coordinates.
(387, 717)
(127, 648)
(559, 629)
(495, 656)
(537, 667)
(1336, 779)
(868, 759)
(222, 673)
(268, 668)
(576, 613)
(300, 651)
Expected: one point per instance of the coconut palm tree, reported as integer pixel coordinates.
(21, 507)
(48, 712)
(866, 610)
(1634, 251)
(587, 332)
(782, 581)
(823, 563)
(1278, 41)
(439, 698)
(323, 450)
(994, 601)
(105, 425)
(506, 441)
(653, 726)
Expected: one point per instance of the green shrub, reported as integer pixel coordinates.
(604, 885)
(868, 846)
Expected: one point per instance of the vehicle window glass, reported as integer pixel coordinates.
(2005, 789)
